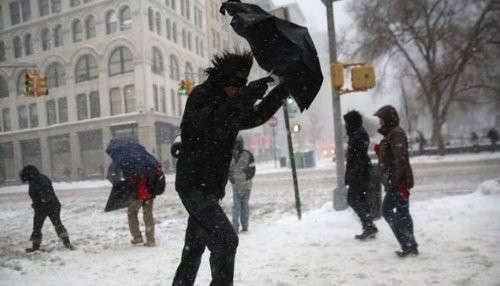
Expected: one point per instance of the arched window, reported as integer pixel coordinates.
(4, 87)
(77, 30)
(111, 22)
(190, 41)
(58, 36)
(17, 47)
(45, 39)
(28, 44)
(90, 29)
(121, 61)
(55, 75)
(86, 69)
(125, 18)
(151, 19)
(158, 23)
(2, 51)
(174, 68)
(157, 64)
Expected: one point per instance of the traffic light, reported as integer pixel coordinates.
(337, 72)
(363, 77)
(182, 88)
(189, 84)
(41, 85)
(30, 83)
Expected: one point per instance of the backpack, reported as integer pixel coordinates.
(157, 182)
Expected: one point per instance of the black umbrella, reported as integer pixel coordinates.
(120, 196)
(281, 47)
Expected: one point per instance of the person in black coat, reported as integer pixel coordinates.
(357, 175)
(45, 204)
(215, 111)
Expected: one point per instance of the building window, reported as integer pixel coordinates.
(158, 23)
(111, 22)
(28, 44)
(86, 69)
(58, 36)
(2, 50)
(18, 50)
(151, 19)
(184, 38)
(33, 115)
(22, 116)
(174, 32)
(90, 29)
(21, 82)
(163, 100)
(174, 68)
(95, 104)
(130, 101)
(56, 6)
(81, 106)
(60, 155)
(4, 87)
(6, 119)
(173, 4)
(44, 8)
(6, 162)
(50, 106)
(74, 3)
(62, 104)
(120, 61)
(55, 75)
(77, 30)
(172, 102)
(157, 64)
(15, 13)
(168, 28)
(188, 71)
(45, 39)
(31, 152)
(115, 101)
(26, 10)
(125, 19)
(201, 75)
(155, 97)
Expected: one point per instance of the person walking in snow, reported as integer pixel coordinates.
(397, 178)
(493, 136)
(216, 110)
(45, 204)
(241, 172)
(357, 175)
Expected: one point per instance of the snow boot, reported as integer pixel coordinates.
(68, 244)
(407, 252)
(368, 233)
(137, 240)
(35, 247)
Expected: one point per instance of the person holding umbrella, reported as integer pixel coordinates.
(45, 204)
(216, 110)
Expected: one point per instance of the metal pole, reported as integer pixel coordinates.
(292, 160)
(340, 193)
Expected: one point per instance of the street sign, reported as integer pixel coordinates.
(273, 121)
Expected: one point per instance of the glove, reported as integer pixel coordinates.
(256, 88)
(404, 193)
(376, 148)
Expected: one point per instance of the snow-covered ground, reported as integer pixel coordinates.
(458, 237)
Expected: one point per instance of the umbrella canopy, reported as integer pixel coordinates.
(280, 47)
(131, 157)
(120, 196)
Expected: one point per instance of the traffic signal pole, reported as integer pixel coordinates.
(292, 160)
(340, 192)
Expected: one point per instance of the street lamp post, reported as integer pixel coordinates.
(340, 193)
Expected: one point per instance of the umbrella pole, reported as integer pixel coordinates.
(292, 160)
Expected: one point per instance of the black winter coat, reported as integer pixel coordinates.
(42, 193)
(358, 164)
(209, 128)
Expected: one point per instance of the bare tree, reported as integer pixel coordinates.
(439, 41)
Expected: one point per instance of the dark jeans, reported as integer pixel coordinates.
(396, 211)
(54, 214)
(208, 226)
(357, 199)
